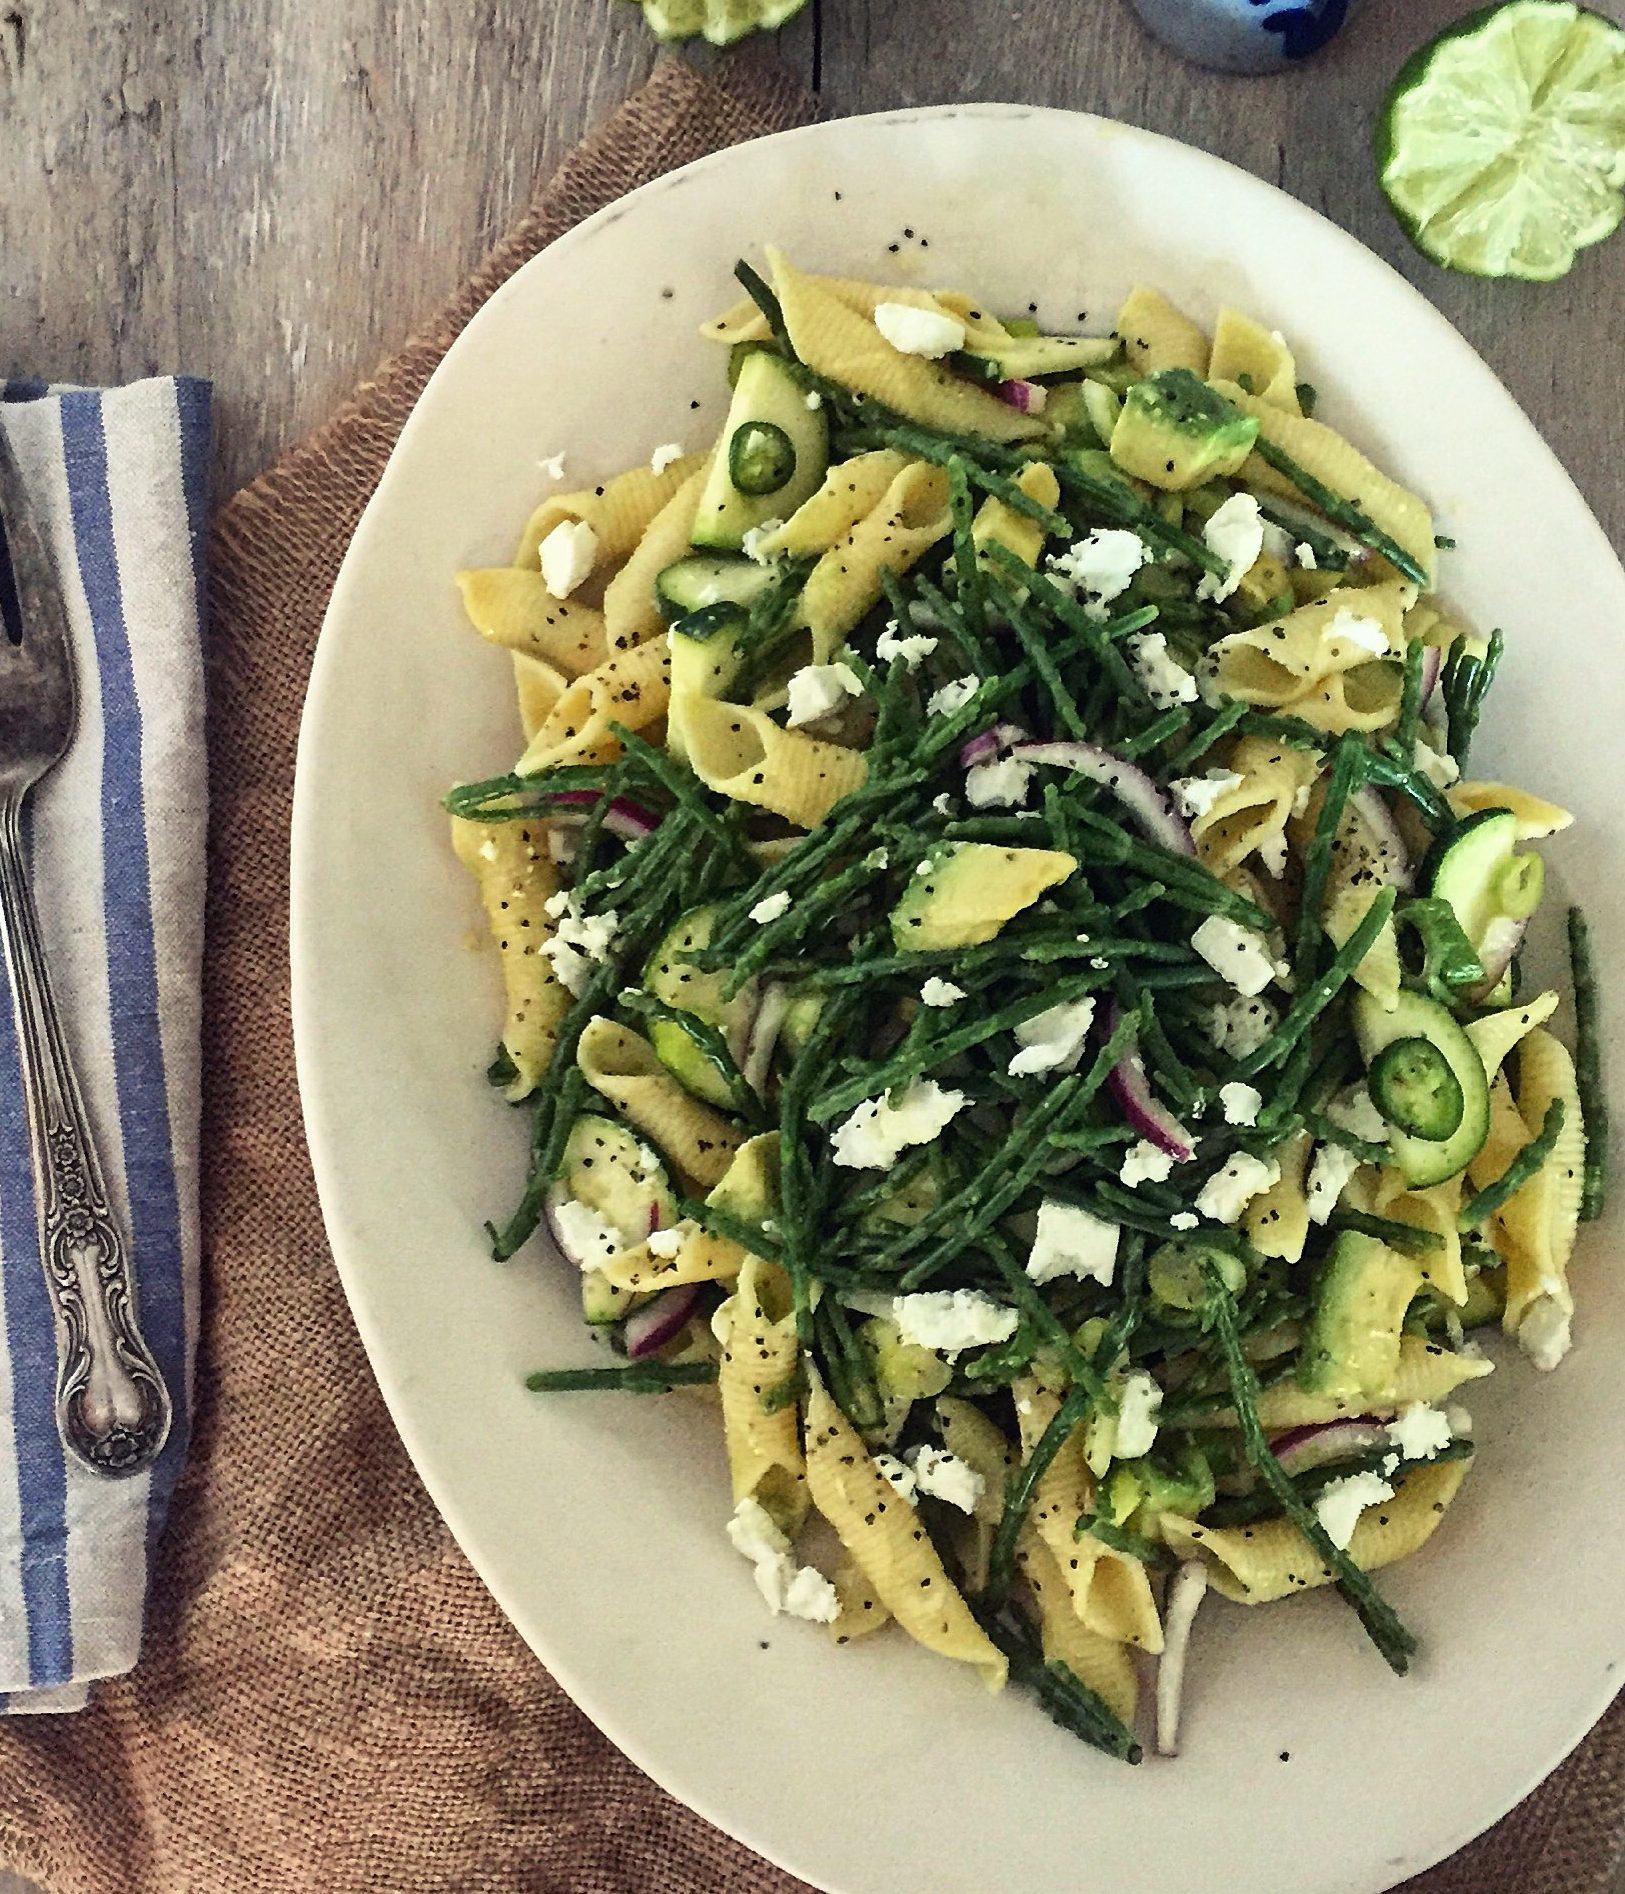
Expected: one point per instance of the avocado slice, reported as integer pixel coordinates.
(1140, 1491)
(969, 890)
(1175, 432)
(1351, 1351)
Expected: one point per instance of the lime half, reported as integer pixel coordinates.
(1502, 148)
(719, 21)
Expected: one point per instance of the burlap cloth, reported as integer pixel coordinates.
(329, 1700)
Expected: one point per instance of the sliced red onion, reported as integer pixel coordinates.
(629, 820)
(1028, 396)
(650, 1328)
(1146, 803)
(984, 747)
(1502, 939)
(1432, 664)
(764, 1035)
(654, 1218)
(1396, 857)
(1185, 1595)
(1141, 1106)
(1304, 1448)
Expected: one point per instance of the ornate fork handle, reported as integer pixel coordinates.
(112, 1406)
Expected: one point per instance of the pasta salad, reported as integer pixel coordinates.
(1016, 992)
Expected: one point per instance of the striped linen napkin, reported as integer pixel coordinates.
(119, 479)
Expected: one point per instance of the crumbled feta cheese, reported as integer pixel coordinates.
(1167, 682)
(1145, 1163)
(817, 689)
(943, 804)
(900, 1476)
(553, 466)
(578, 942)
(1240, 1026)
(1071, 1242)
(1420, 1431)
(951, 697)
(1272, 853)
(1235, 532)
(1545, 1334)
(664, 455)
(1301, 797)
(588, 1238)
(1196, 795)
(988, 785)
(1237, 954)
(1240, 1103)
(952, 1320)
(945, 1476)
(568, 555)
(926, 332)
(1390, 1465)
(811, 1596)
(800, 1592)
(939, 992)
(771, 906)
(1184, 1220)
(911, 649)
(1306, 556)
(814, 401)
(665, 1242)
(648, 1161)
(753, 543)
(1338, 1506)
(1328, 1179)
(882, 1127)
(1365, 634)
(1139, 1401)
(1053, 1040)
(1103, 562)
(753, 1534)
(1354, 1111)
(1229, 1191)
(1439, 767)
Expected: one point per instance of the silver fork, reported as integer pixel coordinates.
(112, 1407)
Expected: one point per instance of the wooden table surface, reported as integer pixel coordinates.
(273, 193)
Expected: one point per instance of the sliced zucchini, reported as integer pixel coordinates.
(1428, 1160)
(800, 1017)
(1477, 870)
(691, 1061)
(679, 984)
(704, 580)
(767, 396)
(612, 1192)
(1102, 405)
(1020, 357)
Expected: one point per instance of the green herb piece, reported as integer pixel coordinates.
(635, 1377)
(1588, 1066)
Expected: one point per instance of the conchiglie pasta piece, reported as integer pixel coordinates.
(1242, 347)
(632, 688)
(1494, 1035)
(759, 1353)
(1347, 904)
(631, 612)
(883, 1532)
(1277, 1223)
(622, 1066)
(1157, 335)
(702, 1256)
(998, 524)
(1286, 656)
(850, 490)
(861, 1609)
(1363, 699)
(835, 341)
(742, 321)
(905, 523)
(1250, 820)
(1534, 1230)
(1536, 818)
(1426, 1372)
(619, 512)
(742, 753)
(538, 687)
(512, 608)
(969, 1435)
(516, 879)
(1435, 1209)
(1103, 1665)
(1326, 456)
(1258, 1564)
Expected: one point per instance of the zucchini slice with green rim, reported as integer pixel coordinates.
(679, 984)
(1476, 869)
(1423, 1160)
(702, 580)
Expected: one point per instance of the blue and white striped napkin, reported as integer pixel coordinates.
(120, 479)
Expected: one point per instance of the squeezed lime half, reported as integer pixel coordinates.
(719, 21)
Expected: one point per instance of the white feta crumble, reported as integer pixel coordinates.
(1229, 1191)
(880, 1128)
(1240, 1103)
(990, 785)
(1184, 1220)
(1237, 954)
(1145, 1163)
(1196, 795)
(814, 401)
(664, 455)
(579, 941)
(1103, 562)
(771, 906)
(1306, 556)
(943, 804)
(1240, 1026)
(817, 689)
(799, 1592)
(1272, 853)
(1328, 1179)
(1301, 797)
(811, 1596)
(1139, 1401)
(568, 555)
(1338, 1506)
(1438, 766)
(940, 992)
(665, 1242)
(1053, 1040)
(753, 1534)
(1071, 1242)
(1545, 1334)
(926, 332)
(754, 542)
(912, 648)
(1365, 634)
(1235, 532)
(944, 1476)
(585, 1236)
(951, 697)
(1167, 682)
(1420, 1431)
(553, 466)
(648, 1161)
(891, 1469)
(952, 1320)
(1354, 1111)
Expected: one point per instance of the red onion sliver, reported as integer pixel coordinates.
(764, 1036)
(1304, 1448)
(1028, 396)
(1149, 806)
(988, 744)
(1432, 664)
(1141, 1106)
(659, 1321)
